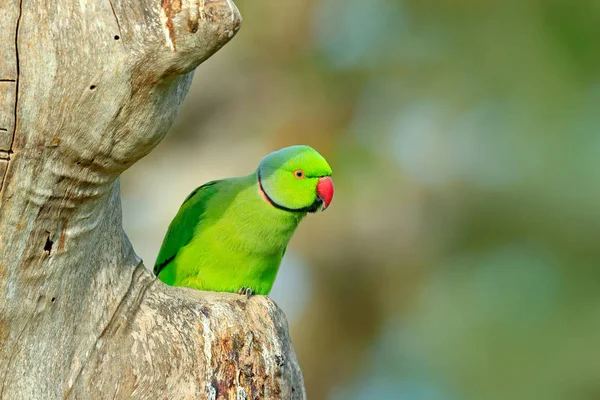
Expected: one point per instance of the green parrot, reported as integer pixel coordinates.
(230, 235)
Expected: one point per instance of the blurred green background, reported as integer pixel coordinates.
(459, 258)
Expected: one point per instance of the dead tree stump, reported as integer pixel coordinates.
(87, 88)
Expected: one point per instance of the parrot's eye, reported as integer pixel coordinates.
(299, 174)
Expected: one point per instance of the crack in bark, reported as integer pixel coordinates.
(8, 153)
(16, 99)
(117, 18)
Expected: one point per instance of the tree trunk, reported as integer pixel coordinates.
(87, 88)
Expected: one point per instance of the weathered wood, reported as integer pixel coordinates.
(9, 14)
(89, 87)
(8, 98)
(3, 165)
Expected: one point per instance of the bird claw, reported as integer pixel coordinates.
(246, 291)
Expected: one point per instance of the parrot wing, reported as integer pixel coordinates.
(182, 228)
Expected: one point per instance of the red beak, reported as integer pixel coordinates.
(325, 191)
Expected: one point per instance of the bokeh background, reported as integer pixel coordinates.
(459, 258)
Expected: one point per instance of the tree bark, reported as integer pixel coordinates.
(87, 88)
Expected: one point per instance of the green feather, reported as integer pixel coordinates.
(181, 229)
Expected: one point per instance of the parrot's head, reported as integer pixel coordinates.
(296, 179)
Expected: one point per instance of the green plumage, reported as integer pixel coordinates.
(228, 235)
